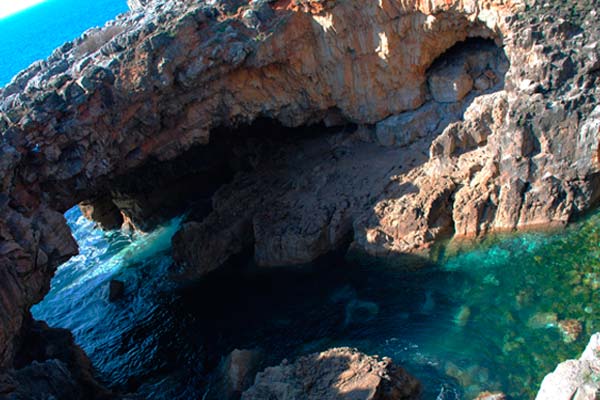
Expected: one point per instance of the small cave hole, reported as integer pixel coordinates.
(474, 66)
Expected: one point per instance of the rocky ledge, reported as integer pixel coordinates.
(340, 373)
(434, 119)
(575, 379)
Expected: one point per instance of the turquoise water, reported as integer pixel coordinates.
(483, 319)
(34, 33)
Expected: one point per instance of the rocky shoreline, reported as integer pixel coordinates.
(575, 379)
(293, 129)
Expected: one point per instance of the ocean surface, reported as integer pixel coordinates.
(33, 33)
(484, 319)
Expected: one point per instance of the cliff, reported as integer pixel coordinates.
(435, 119)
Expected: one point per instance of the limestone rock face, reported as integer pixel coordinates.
(340, 373)
(575, 379)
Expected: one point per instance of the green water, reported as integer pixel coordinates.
(513, 294)
(483, 319)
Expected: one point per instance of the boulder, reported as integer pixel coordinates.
(340, 373)
(404, 129)
(450, 84)
(237, 372)
(575, 379)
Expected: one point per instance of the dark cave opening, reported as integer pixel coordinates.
(476, 64)
(159, 190)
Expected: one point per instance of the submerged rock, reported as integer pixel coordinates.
(116, 289)
(543, 320)
(491, 396)
(462, 316)
(575, 379)
(359, 311)
(570, 329)
(340, 373)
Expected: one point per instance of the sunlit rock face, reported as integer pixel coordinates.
(333, 374)
(508, 152)
(135, 5)
(574, 379)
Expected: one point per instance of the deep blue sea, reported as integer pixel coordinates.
(34, 33)
(484, 319)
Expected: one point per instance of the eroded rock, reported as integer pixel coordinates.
(340, 373)
(575, 379)
(236, 373)
(450, 84)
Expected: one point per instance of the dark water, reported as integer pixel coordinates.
(34, 33)
(483, 319)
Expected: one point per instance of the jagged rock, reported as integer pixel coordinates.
(50, 365)
(48, 379)
(575, 379)
(404, 129)
(340, 373)
(137, 4)
(236, 373)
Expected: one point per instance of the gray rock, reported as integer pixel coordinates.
(404, 129)
(450, 84)
(136, 5)
(340, 373)
(575, 379)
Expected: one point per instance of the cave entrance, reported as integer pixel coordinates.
(467, 69)
(276, 170)
(157, 191)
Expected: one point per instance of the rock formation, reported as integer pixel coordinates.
(236, 373)
(135, 5)
(575, 379)
(445, 144)
(340, 373)
(50, 366)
